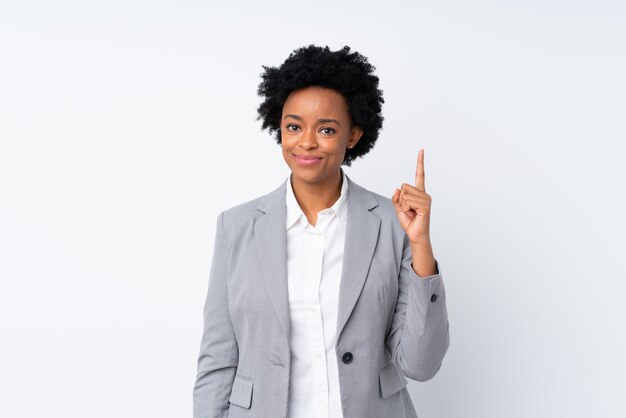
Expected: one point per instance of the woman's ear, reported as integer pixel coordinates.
(355, 135)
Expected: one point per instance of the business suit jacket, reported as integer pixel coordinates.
(393, 323)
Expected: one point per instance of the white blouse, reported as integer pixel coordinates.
(314, 263)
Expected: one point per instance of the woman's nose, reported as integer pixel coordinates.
(308, 140)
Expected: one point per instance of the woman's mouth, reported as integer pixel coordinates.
(306, 160)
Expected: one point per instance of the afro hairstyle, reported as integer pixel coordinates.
(348, 73)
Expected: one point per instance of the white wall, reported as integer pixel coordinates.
(127, 126)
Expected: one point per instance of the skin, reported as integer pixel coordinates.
(315, 122)
(413, 209)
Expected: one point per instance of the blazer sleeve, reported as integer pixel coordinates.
(419, 335)
(219, 353)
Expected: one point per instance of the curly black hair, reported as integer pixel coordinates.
(348, 73)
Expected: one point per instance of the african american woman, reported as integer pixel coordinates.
(323, 297)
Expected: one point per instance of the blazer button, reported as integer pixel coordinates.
(347, 357)
(433, 297)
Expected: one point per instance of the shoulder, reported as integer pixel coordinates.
(241, 215)
(242, 211)
(376, 202)
(382, 207)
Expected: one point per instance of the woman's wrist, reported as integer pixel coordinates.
(423, 259)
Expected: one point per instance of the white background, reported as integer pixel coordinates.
(127, 126)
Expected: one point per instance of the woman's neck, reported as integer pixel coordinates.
(314, 197)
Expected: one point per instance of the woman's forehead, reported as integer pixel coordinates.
(316, 101)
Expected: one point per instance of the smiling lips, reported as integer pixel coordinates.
(306, 160)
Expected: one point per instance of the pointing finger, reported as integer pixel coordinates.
(419, 171)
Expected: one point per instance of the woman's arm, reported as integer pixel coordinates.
(419, 336)
(219, 353)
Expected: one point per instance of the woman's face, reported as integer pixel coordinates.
(315, 133)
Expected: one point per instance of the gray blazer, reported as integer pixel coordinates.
(391, 323)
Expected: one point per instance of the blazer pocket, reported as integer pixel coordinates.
(241, 393)
(391, 381)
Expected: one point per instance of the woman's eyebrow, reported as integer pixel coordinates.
(329, 121)
(296, 117)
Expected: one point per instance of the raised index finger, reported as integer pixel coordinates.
(419, 171)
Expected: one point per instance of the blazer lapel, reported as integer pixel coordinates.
(362, 228)
(271, 241)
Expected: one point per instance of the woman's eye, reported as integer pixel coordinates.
(327, 131)
(292, 128)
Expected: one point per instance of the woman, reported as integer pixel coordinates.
(323, 296)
